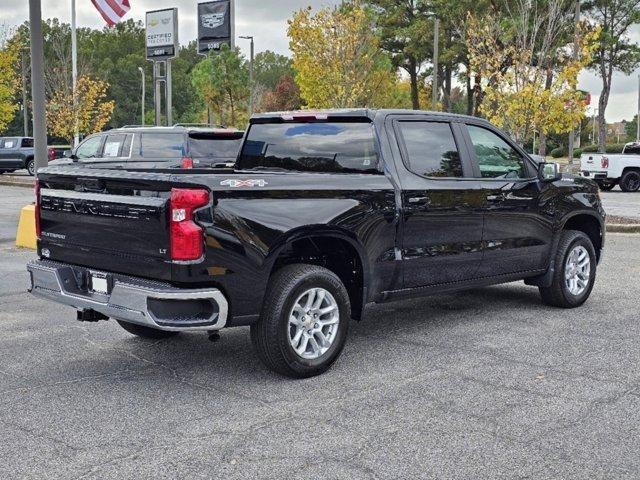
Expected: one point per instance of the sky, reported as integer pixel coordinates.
(266, 20)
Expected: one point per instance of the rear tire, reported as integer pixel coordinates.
(605, 186)
(563, 293)
(630, 181)
(145, 332)
(292, 309)
(31, 167)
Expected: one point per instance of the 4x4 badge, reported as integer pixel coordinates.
(233, 183)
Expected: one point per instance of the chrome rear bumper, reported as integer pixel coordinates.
(145, 302)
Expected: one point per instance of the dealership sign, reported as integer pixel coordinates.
(162, 33)
(215, 25)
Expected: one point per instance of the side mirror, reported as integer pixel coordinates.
(549, 172)
(69, 154)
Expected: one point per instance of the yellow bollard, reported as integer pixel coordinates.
(26, 235)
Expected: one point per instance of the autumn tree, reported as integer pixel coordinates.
(615, 50)
(285, 96)
(337, 58)
(93, 110)
(516, 94)
(9, 81)
(269, 68)
(222, 81)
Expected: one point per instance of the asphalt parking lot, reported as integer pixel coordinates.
(485, 384)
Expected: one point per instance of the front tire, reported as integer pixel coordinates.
(630, 181)
(304, 321)
(574, 271)
(145, 332)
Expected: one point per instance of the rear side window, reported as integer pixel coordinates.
(161, 145)
(114, 145)
(431, 149)
(27, 143)
(337, 147)
(207, 146)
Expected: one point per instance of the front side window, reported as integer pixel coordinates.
(336, 147)
(161, 145)
(89, 148)
(496, 158)
(431, 149)
(10, 143)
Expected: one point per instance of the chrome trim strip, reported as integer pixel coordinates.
(128, 299)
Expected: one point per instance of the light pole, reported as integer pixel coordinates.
(436, 37)
(250, 38)
(141, 70)
(638, 116)
(37, 84)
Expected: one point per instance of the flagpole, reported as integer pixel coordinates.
(74, 72)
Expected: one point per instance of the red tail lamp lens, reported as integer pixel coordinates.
(186, 237)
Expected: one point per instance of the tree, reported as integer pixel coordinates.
(405, 31)
(286, 96)
(516, 93)
(270, 67)
(337, 58)
(93, 110)
(615, 52)
(8, 83)
(222, 81)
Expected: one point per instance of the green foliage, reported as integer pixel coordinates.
(558, 152)
(222, 81)
(577, 152)
(270, 67)
(610, 148)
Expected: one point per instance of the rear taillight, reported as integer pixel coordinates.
(37, 209)
(186, 237)
(604, 162)
(187, 162)
(51, 153)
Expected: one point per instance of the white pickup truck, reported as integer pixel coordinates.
(611, 169)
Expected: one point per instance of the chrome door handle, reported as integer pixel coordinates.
(495, 198)
(419, 200)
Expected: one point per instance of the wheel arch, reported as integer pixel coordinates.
(588, 223)
(333, 248)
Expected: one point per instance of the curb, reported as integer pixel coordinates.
(623, 228)
(17, 182)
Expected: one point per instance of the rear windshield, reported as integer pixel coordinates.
(338, 147)
(160, 145)
(206, 146)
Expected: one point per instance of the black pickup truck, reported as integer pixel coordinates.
(324, 213)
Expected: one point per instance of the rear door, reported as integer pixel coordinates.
(518, 219)
(441, 215)
(9, 153)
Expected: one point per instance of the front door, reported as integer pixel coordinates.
(441, 215)
(517, 231)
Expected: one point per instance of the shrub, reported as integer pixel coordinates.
(610, 148)
(577, 152)
(558, 152)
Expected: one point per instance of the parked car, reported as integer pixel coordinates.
(611, 169)
(17, 153)
(324, 213)
(159, 147)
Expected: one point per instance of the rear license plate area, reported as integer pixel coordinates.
(99, 283)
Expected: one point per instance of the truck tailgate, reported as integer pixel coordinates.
(114, 221)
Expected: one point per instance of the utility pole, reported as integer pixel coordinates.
(143, 94)
(74, 73)
(638, 114)
(251, 92)
(37, 84)
(25, 106)
(575, 55)
(434, 94)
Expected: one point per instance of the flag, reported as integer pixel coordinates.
(112, 10)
